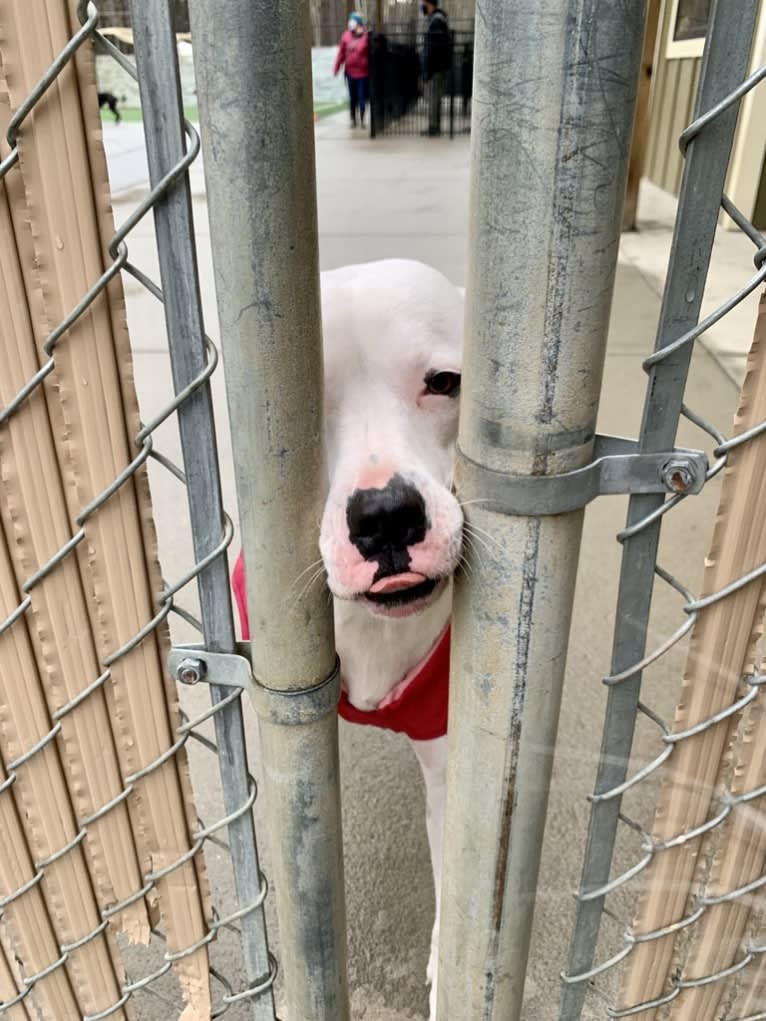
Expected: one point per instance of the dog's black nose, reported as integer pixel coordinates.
(382, 523)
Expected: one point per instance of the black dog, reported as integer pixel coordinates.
(110, 100)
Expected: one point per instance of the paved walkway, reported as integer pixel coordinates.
(408, 196)
(357, 178)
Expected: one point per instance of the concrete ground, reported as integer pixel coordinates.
(408, 197)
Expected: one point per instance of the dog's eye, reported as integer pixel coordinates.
(443, 384)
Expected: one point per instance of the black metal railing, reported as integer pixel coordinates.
(402, 100)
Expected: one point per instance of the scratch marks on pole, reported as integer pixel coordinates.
(524, 633)
(592, 138)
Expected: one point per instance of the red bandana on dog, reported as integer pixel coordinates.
(417, 706)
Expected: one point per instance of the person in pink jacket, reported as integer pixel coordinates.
(354, 52)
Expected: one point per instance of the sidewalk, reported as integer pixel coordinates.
(731, 267)
(357, 175)
(409, 197)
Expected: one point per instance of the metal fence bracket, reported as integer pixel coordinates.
(190, 664)
(617, 468)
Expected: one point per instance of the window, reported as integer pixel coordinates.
(688, 25)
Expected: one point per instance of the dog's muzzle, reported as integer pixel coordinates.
(384, 523)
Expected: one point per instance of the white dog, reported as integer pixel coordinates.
(391, 533)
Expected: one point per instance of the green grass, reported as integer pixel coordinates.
(132, 114)
(325, 109)
(127, 113)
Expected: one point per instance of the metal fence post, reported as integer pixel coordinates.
(253, 72)
(554, 96)
(157, 63)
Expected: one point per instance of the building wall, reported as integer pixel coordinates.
(674, 89)
(117, 13)
(672, 105)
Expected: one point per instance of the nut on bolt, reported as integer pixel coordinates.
(679, 475)
(191, 670)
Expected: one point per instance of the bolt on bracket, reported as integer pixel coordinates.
(617, 468)
(190, 664)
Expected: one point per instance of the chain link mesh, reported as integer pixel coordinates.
(190, 729)
(724, 805)
(223, 930)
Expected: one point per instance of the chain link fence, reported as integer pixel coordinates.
(681, 954)
(234, 934)
(232, 938)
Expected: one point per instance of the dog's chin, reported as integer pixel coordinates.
(403, 602)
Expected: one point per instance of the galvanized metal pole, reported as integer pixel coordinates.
(554, 93)
(157, 64)
(253, 71)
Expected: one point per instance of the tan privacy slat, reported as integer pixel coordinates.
(720, 649)
(752, 994)
(36, 523)
(86, 73)
(740, 858)
(738, 853)
(30, 498)
(26, 919)
(42, 801)
(10, 984)
(93, 448)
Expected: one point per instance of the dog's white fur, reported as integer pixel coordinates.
(386, 326)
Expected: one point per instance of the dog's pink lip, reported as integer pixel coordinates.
(400, 610)
(398, 582)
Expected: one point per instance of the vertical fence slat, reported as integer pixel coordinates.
(253, 71)
(157, 64)
(554, 95)
(724, 67)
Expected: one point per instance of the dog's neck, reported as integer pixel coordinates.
(376, 652)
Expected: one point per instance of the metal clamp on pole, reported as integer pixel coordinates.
(294, 708)
(617, 468)
(191, 664)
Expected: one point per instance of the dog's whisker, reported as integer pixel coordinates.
(311, 580)
(481, 531)
(304, 572)
(473, 549)
(304, 593)
(470, 536)
(467, 503)
(478, 532)
(464, 566)
(469, 541)
(316, 577)
(309, 584)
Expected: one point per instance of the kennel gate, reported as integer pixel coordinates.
(280, 212)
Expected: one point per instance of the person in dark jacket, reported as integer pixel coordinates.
(437, 61)
(354, 52)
